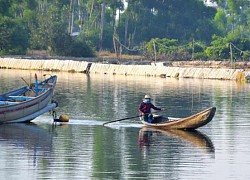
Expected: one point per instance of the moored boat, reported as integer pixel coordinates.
(192, 122)
(28, 102)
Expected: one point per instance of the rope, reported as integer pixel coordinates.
(237, 48)
(169, 47)
(126, 47)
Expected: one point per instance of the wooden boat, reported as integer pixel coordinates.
(28, 102)
(189, 123)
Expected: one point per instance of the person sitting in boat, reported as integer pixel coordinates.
(145, 109)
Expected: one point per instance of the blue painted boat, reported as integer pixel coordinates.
(28, 102)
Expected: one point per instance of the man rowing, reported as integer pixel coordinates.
(145, 109)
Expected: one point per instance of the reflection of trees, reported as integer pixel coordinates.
(168, 147)
(118, 155)
(102, 97)
(28, 139)
(106, 154)
(106, 97)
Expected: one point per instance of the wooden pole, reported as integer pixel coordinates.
(193, 50)
(155, 52)
(231, 54)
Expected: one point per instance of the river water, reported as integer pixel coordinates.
(84, 149)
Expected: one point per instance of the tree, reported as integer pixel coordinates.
(219, 48)
(174, 19)
(236, 12)
(14, 32)
(222, 47)
(220, 21)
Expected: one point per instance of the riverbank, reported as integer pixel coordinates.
(182, 69)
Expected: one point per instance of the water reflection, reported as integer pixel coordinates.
(35, 140)
(84, 149)
(29, 136)
(150, 137)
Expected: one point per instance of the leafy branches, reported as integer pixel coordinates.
(13, 36)
(172, 29)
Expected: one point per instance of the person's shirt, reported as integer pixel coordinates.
(146, 107)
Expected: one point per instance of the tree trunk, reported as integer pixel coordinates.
(80, 14)
(71, 18)
(126, 31)
(90, 14)
(102, 25)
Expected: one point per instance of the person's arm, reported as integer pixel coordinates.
(155, 108)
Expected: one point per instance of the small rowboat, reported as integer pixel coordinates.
(28, 102)
(189, 123)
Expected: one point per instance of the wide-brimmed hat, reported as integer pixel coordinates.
(147, 96)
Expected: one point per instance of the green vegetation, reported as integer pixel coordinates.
(167, 30)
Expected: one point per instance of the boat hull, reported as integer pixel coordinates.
(26, 110)
(189, 123)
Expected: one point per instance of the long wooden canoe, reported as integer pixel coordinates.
(192, 122)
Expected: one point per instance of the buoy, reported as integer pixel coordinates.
(64, 118)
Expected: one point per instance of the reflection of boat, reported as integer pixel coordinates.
(196, 138)
(192, 122)
(26, 135)
(28, 102)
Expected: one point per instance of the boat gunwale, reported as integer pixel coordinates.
(44, 94)
(26, 103)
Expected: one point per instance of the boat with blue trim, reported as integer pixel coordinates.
(28, 102)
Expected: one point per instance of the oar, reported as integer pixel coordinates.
(25, 82)
(164, 109)
(121, 119)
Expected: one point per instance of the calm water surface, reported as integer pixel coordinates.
(84, 149)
